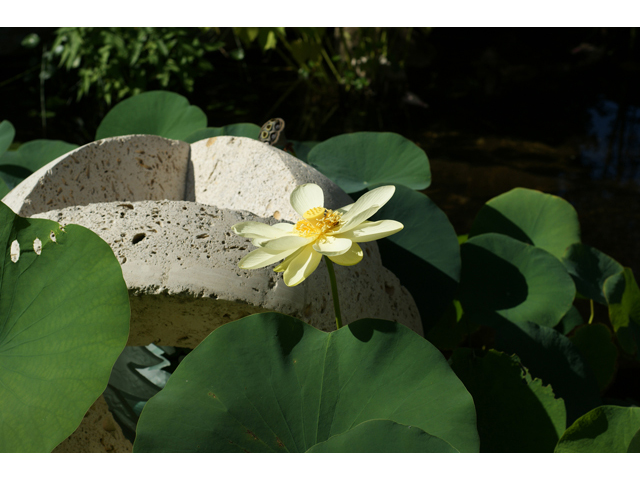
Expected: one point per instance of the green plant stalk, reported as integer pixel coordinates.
(591, 317)
(345, 47)
(334, 292)
(333, 69)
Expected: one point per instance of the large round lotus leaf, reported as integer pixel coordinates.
(606, 429)
(36, 154)
(597, 348)
(589, 268)
(272, 383)
(505, 279)
(383, 436)
(160, 113)
(4, 188)
(551, 357)
(516, 413)
(64, 319)
(634, 445)
(533, 217)
(571, 320)
(428, 262)
(356, 161)
(302, 148)
(12, 175)
(623, 298)
(7, 132)
(248, 130)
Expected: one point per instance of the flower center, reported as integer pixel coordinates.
(318, 221)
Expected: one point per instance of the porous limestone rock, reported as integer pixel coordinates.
(132, 168)
(244, 174)
(229, 172)
(180, 263)
(98, 433)
(179, 258)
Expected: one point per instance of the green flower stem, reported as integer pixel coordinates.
(334, 291)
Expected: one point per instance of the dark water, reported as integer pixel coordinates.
(614, 149)
(598, 172)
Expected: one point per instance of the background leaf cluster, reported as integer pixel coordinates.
(120, 62)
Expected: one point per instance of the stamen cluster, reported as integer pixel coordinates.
(317, 222)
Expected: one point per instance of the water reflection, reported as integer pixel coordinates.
(614, 149)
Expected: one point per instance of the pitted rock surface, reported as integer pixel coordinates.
(179, 260)
(98, 433)
(245, 174)
(229, 172)
(128, 168)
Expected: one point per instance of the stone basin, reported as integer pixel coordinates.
(166, 209)
(179, 260)
(104, 186)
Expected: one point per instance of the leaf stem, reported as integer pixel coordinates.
(591, 317)
(334, 291)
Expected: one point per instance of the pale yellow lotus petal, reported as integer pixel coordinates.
(301, 266)
(370, 201)
(286, 242)
(285, 263)
(353, 256)
(345, 209)
(368, 231)
(332, 246)
(259, 241)
(305, 197)
(261, 258)
(257, 229)
(356, 220)
(285, 227)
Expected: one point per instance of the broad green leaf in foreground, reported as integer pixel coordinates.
(272, 383)
(623, 298)
(428, 262)
(634, 445)
(516, 413)
(64, 319)
(356, 161)
(589, 268)
(160, 113)
(505, 279)
(533, 217)
(7, 133)
(248, 130)
(606, 429)
(383, 436)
